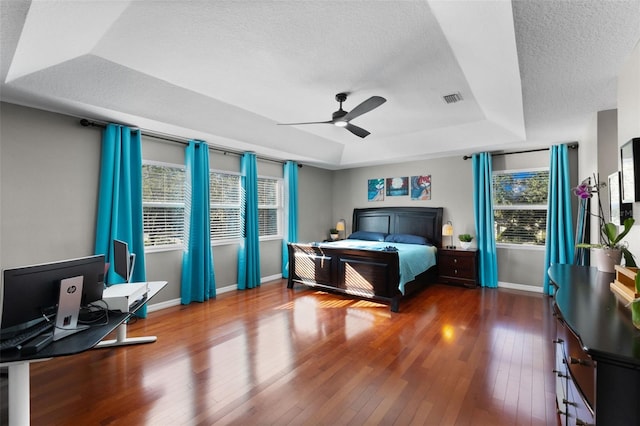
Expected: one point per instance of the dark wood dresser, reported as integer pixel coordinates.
(597, 350)
(458, 266)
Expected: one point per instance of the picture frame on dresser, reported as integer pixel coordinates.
(630, 171)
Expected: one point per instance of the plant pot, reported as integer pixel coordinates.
(465, 244)
(334, 236)
(605, 259)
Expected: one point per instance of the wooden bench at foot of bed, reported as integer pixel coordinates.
(367, 273)
(372, 276)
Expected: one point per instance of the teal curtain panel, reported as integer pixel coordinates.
(198, 279)
(559, 246)
(249, 251)
(291, 212)
(483, 215)
(120, 199)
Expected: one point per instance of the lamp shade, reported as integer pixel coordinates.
(340, 225)
(447, 229)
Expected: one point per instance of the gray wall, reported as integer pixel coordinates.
(49, 171)
(49, 186)
(451, 188)
(315, 203)
(607, 152)
(525, 265)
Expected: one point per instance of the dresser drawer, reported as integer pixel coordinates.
(458, 266)
(580, 365)
(578, 410)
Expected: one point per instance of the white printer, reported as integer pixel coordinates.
(121, 297)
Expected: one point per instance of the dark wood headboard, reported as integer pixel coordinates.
(423, 221)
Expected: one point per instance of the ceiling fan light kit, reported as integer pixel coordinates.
(342, 118)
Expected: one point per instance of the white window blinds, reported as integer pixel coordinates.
(520, 206)
(226, 222)
(269, 206)
(163, 205)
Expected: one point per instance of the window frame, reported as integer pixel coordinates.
(513, 207)
(227, 240)
(279, 207)
(164, 247)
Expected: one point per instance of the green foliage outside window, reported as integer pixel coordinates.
(520, 206)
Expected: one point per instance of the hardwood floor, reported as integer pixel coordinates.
(452, 356)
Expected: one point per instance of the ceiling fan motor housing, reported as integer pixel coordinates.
(339, 114)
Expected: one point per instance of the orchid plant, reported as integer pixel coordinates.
(609, 232)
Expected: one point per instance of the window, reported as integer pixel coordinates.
(163, 205)
(520, 206)
(224, 190)
(226, 206)
(269, 206)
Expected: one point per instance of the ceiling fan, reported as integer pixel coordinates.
(342, 118)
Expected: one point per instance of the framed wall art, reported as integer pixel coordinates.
(397, 186)
(421, 187)
(375, 189)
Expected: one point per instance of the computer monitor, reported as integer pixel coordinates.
(123, 261)
(30, 292)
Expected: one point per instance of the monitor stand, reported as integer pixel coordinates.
(69, 308)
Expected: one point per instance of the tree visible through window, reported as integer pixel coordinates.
(520, 206)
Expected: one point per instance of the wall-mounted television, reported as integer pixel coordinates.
(618, 210)
(630, 171)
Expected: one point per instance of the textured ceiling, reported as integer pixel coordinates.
(531, 73)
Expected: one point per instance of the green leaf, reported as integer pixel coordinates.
(628, 258)
(610, 232)
(628, 224)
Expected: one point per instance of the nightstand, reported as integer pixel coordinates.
(458, 266)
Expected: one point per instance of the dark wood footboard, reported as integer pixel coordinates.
(367, 273)
(364, 273)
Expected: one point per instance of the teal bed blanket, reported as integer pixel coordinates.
(414, 259)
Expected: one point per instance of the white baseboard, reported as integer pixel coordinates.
(163, 305)
(175, 302)
(523, 287)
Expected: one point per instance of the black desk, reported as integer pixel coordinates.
(18, 364)
(604, 364)
(70, 345)
(593, 312)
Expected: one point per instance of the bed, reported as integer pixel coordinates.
(371, 271)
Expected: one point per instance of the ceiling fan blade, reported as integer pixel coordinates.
(358, 131)
(308, 122)
(366, 106)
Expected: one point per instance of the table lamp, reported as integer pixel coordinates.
(447, 231)
(341, 226)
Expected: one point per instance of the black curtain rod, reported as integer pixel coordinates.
(570, 146)
(175, 139)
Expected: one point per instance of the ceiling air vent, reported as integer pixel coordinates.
(452, 98)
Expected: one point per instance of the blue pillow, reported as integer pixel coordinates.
(407, 239)
(367, 236)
